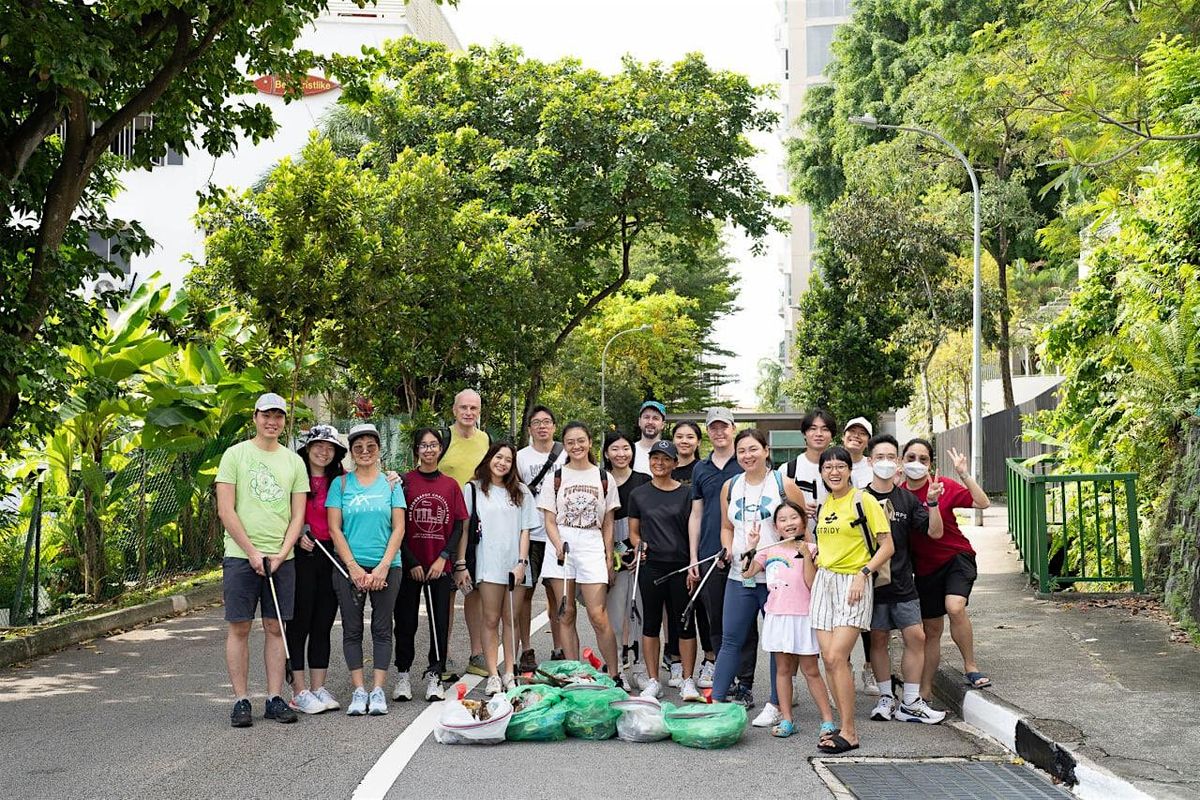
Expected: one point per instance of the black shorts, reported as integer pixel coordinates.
(956, 576)
(537, 552)
(673, 594)
(244, 588)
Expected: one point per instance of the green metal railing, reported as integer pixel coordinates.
(1073, 529)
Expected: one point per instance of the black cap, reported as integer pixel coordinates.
(665, 448)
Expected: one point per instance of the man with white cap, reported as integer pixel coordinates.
(855, 436)
(262, 487)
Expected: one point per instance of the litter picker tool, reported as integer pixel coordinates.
(360, 597)
(433, 637)
(562, 560)
(749, 554)
(512, 620)
(663, 579)
(287, 656)
(634, 613)
(700, 586)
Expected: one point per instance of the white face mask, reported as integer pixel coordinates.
(915, 470)
(884, 470)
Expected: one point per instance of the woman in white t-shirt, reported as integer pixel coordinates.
(579, 500)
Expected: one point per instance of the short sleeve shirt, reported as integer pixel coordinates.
(580, 502)
(264, 482)
(787, 593)
(529, 465)
(909, 518)
(841, 547)
(462, 456)
(366, 516)
(662, 522)
(929, 555)
(707, 482)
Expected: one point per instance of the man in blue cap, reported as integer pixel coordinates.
(652, 418)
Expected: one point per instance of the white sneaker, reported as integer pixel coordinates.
(493, 685)
(433, 688)
(688, 692)
(707, 670)
(509, 681)
(676, 679)
(769, 717)
(358, 703)
(403, 690)
(377, 702)
(653, 689)
(919, 711)
(885, 709)
(868, 681)
(330, 702)
(639, 676)
(307, 703)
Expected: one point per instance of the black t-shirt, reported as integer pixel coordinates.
(662, 522)
(909, 517)
(684, 474)
(634, 480)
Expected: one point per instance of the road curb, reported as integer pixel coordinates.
(37, 644)
(1032, 739)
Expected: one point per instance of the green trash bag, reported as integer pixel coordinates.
(566, 672)
(589, 715)
(539, 714)
(710, 727)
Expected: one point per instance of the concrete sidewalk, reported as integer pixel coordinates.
(1098, 691)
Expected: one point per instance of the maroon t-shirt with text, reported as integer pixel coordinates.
(931, 554)
(435, 503)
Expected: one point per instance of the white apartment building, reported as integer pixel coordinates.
(164, 199)
(807, 35)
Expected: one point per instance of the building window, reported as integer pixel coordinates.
(125, 141)
(826, 8)
(817, 48)
(104, 248)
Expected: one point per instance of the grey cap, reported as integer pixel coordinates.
(270, 401)
(719, 415)
(362, 429)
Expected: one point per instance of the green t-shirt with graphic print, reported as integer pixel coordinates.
(264, 483)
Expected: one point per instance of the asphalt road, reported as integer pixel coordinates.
(144, 714)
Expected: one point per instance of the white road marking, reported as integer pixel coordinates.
(380, 778)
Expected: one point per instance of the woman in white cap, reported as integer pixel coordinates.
(366, 520)
(316, 605)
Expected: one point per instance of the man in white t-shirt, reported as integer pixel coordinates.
(818, 427)
(535, 464)
(652, 417)
(854, 438)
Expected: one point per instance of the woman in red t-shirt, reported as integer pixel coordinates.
(944, 565)
(316, 605)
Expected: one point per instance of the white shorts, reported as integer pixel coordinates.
(789, 633)
(585, 563)
(829, 607)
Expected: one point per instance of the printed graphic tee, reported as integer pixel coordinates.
(264, 483)
(366, 516)
(435, 503)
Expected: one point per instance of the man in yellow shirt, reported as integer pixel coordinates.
(466, 445)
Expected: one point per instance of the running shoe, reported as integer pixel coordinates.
(509, 681)
(639, 675)
(707, 670)
(403, 690)
(528, 661)
(377, 702)
(919, 711)
(433, 688)
(742, 695)
(769, 717)
(493, 685)
(868, 681)
(358, 703)
(279, 710)
(653, 689)
(329, 701)
(676, 679)
(476, 665)
(688, 693)
(557, 655)
(885, 709)
(242, 715)
(308, 703)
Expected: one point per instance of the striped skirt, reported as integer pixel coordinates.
(830, 609)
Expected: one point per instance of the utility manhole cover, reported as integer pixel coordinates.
(947, 781)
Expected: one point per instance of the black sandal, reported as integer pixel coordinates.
(835, 745)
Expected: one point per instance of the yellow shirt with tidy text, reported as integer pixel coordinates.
(462, 456)
(840, 542)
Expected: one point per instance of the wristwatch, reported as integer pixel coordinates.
(524, 561)
(866, 571)
(932, 504)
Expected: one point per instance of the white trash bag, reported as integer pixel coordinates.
(473, 722)
(641, 720)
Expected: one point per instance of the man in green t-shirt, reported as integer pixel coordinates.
(261, 492)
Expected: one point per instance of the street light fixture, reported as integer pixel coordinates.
(869, 122)
(604, 360)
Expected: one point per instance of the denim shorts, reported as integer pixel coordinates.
(244, 588)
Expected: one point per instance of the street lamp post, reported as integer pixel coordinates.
(868, 121)
(604, 360)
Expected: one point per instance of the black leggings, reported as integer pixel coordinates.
(408, 604)
(316, 607)
(673, 593)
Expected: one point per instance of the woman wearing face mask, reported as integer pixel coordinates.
(896, 603)
(849, 522)
(505, 512)
(944, 566)
(618, 460)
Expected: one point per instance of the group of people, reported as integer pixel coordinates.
(667, 551)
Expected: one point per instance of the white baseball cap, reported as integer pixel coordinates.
(270, 402)
(860, 421)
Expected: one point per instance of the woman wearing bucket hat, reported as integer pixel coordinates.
(316, 605)
(366, 520)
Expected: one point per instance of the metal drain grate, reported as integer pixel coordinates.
(957, 781)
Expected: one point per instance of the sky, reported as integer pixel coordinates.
(738, 35)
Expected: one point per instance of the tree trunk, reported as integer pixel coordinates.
(928, 393)
(1003, 341)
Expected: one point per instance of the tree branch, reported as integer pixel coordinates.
(29, 135)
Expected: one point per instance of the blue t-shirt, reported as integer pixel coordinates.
(366, 516)
(707, 481)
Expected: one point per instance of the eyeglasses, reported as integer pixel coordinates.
(428, 446)
(540, 423)
(836, 466)
(365, 449)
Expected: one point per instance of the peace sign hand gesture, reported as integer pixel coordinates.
(936, 488)
(959, 460)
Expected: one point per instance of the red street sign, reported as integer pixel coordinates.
(309, 84)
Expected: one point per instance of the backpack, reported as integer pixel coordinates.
(536, 483)
(473, 534)
(558, 481)
(884, 575)
(805, 486)
(778, 484)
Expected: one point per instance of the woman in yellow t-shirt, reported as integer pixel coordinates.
(843, 589)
